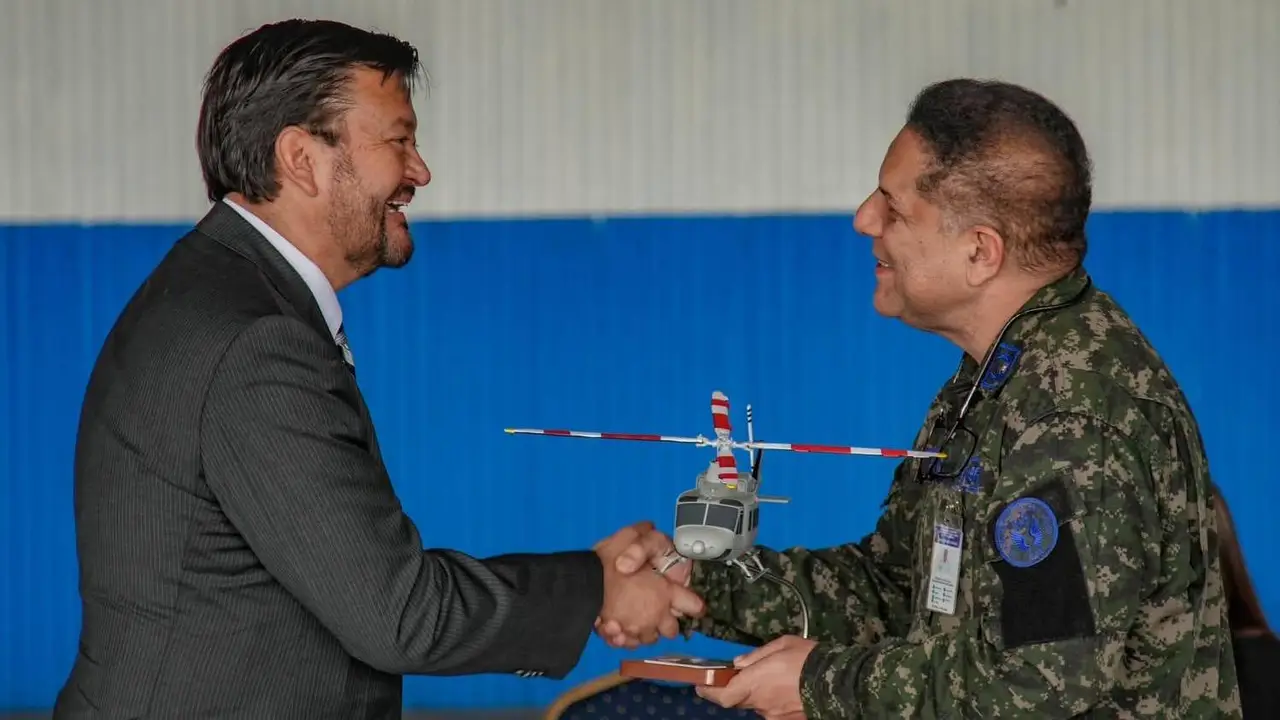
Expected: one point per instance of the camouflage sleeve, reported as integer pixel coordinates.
(1072, 509)
(857, 593)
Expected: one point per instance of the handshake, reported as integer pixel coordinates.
(640, 604)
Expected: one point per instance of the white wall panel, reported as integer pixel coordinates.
(595, 106)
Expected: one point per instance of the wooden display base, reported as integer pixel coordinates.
(681, 669)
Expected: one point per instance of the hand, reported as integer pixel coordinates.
(640, 604)
(769, 681)
(653, 551)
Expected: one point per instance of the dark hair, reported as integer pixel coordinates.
(1005, 156)
(284, 74)
(1244, 612)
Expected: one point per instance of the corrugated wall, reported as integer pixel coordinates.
(656, 110)
(582, 106)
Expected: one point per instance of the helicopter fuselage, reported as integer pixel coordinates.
(716, 522)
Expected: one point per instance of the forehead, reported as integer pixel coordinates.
(380, 102)
(903, 164)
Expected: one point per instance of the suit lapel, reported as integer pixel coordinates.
(225, 226)
(371, 436)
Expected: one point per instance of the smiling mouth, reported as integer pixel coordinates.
(401, 200)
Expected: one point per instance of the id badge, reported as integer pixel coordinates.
(944, 573)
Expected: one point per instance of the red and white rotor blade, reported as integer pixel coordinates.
(726, 465)
(720, 412)
(841, 450)
(607, 435)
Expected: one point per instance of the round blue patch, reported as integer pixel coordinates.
(1026, 532)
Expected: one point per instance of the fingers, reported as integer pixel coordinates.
(623, 537)
(686, 602)
(731, 695)
(764, 651)
(649, 546)
(669, 627)
(646, 635)
(643, 527)
(641, 606)
(680, 572)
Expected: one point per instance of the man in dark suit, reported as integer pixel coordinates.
(242, 551)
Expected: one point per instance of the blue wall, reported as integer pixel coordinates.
(625, 325)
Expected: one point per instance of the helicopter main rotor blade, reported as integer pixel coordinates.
(840, 450)
(642, 437)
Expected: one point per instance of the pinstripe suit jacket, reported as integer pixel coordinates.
(242, 552)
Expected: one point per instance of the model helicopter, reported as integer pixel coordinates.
(718, 519)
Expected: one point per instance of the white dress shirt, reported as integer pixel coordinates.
(323, 292)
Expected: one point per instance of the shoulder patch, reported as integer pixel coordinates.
(1026, 532)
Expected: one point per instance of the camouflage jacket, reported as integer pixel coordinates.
(1089, 579)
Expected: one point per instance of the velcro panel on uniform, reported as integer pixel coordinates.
(1045, 596)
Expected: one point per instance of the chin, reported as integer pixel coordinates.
(397, 253)
(889, 307)
(396, 248)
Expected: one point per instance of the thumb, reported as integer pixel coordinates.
(631, 559)
(687, 602)
(644, 526)
(649, 545)
(760, 653)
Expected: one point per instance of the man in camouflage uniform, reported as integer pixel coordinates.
(1062, 559)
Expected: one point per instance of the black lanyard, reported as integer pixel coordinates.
(952, 466)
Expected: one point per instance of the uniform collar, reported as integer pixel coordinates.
(1071, 287)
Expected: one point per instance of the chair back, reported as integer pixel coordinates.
(613, 697)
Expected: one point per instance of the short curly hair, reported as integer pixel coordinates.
(1007, 157)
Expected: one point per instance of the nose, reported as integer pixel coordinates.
(416, 171)
(866, 221)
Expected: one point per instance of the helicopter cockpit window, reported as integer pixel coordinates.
(690, 513)
(722, 516)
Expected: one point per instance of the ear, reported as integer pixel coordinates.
(986, 254)
(297, 162)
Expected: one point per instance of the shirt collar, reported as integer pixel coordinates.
(311, 274)
(1067, 289)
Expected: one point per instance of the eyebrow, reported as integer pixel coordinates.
(889, 196)
(404, 123)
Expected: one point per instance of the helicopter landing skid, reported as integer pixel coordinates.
(750, 565)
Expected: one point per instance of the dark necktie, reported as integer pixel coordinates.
(341, 339)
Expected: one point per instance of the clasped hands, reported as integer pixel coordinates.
(640, 605)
